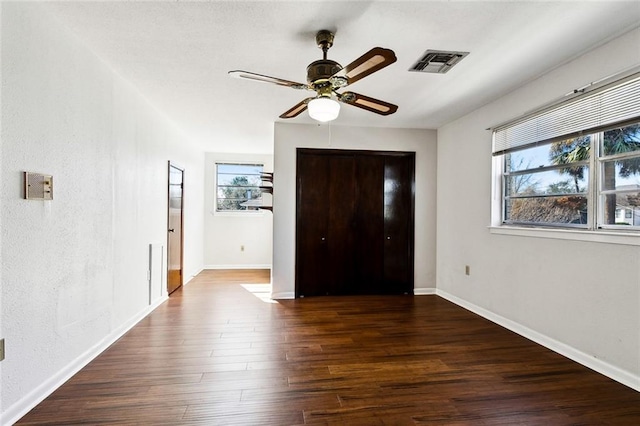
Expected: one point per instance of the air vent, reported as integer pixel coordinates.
(437, 61)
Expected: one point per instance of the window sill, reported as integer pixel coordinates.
(257, 213)
(604, 236)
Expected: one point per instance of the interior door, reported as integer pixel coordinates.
(174, 230)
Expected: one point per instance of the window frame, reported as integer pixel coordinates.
(542, 169)
(248, 212)
(601, 192)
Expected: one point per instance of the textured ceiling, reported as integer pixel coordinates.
(178, 54)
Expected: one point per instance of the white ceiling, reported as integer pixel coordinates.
(178, 54)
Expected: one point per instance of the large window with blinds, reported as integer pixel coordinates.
(576, 164)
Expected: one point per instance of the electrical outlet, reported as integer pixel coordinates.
(1, 349)
(467, 270)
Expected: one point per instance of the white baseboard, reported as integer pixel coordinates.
(193, 275)
(623, 376)
(283, 295)
(33, 398)
(423, 291)
(291, 295)
(237, 267)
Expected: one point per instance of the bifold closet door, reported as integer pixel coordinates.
(354, 222)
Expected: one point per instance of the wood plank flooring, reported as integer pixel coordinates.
(218, 354)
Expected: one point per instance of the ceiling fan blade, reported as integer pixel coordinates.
(296, 109)
(367, 103)
(265, 78)
(372, 61)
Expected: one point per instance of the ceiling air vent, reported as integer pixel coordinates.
(437, 61)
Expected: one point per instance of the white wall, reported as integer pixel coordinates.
(288, 137)
(74, 269)
(1, 208)
(581, 298)
(226, 232)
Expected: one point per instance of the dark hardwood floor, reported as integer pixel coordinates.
(217, 354)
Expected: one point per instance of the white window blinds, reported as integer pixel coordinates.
(606, 107)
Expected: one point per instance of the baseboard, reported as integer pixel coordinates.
(623, 376)
(33, 398)
(423, 291)
(283, 295)
(192, 276)
(291, 295)
(237, 267)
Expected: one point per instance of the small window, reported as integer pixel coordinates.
(238, 187)
(620, 177)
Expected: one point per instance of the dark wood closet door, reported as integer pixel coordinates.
(398, 223)
(312, 225)
(368, 226)
(325, 237)
(354, 230)
(340, 236)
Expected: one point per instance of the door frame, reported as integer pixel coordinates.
(181, 246)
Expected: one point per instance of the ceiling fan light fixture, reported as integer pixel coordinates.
(323, 109)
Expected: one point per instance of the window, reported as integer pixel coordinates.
(238, 187)
(576, 164)
(547, 184)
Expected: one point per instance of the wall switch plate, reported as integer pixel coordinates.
(38, 186)
(1, 349)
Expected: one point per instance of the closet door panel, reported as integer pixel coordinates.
(312, 225)
(368, 225)
(398, 223)
(340, 204)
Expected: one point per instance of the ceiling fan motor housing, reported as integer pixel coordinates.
(320, 70)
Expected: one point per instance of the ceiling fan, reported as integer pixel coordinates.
(326, 77)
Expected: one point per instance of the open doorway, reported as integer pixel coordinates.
(175, 227)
